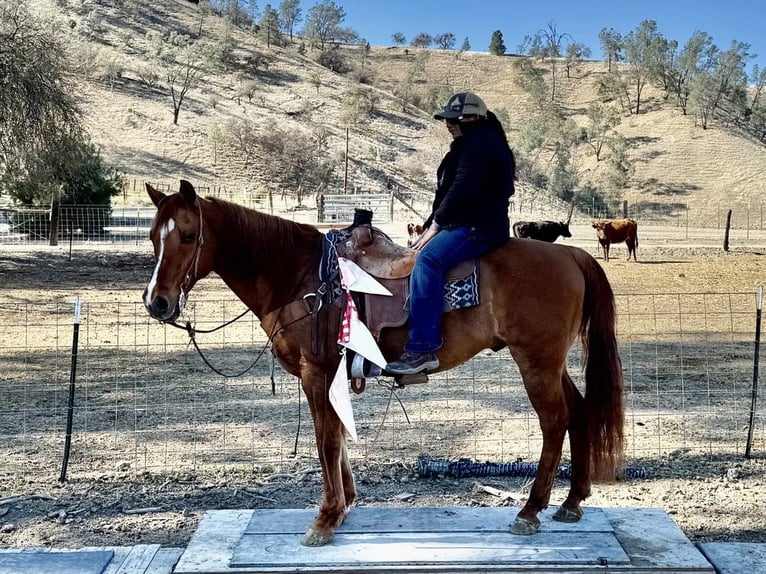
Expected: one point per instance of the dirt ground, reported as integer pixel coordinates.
(712, 498)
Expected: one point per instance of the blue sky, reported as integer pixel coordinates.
(724, 20)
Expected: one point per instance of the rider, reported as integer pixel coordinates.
(469, 217)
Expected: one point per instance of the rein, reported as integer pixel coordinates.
(318, 295)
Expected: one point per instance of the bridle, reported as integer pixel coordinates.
(194, 263)
(191, 274)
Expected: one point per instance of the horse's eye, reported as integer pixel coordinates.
(187, 238)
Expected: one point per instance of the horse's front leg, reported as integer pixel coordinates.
(338, 483)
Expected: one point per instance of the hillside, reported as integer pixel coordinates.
(676, 162)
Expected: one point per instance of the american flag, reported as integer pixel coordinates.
(348, 314)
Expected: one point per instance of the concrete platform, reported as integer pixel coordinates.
(436, 540)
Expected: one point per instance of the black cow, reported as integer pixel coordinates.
(541, 230)
(544, 230)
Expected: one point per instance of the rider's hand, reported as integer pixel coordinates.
(427, 236)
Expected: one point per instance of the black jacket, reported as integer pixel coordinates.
(475, 183)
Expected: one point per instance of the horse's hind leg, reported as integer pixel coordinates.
(570, 510)
(547, 397)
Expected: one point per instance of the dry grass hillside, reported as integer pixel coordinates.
(675, 161)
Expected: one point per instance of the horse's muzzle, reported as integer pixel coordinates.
(161, 309)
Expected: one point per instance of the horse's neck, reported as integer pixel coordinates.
(265, 260)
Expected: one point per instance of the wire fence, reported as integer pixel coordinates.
(129, 224)
(145, 398)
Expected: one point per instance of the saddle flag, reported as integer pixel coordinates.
(354, 335)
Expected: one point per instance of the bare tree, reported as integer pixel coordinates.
(422, 40)
(181, 61)
(549, 44)
(445, 41)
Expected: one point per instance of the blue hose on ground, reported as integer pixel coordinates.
(466, 468)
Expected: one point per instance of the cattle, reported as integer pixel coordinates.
(544, 230)
(414, 231)
(541, 230)
(611, 231)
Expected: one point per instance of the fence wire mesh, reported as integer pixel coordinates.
(144, 396)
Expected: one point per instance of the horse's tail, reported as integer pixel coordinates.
(604, 403)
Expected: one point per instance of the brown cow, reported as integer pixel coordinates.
(414, 231)
(611, 231)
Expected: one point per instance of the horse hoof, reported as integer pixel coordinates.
(524, 527)
(315, 538)
(564, 514)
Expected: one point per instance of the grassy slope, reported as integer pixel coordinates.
(675, 161)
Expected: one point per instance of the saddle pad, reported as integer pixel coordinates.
(462, 293)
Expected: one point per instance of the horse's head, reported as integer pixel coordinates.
(178, 236)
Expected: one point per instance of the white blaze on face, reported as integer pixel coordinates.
(164, 231)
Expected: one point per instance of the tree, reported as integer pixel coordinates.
(405, 89)
(602, 120)
(181, 61)
(641, 53)
(290, 13)
(702, 97)
(398, 39)
(729, 74)
(611, 45)
(323, 22)
(268, 27)
(37, 97)
(466, 45)
(548, 44)
(496, 45)
(619, 167)
(445, 41)
(698, 54)
(359, 106)
(46, 158)
(422, 40)
(576, 52)
(292, 160)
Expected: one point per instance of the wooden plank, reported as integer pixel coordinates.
(654, 541)
(164, 561)
(54, 562)
(465, 549)
(138, 559)
(363, 520)
(735, 557)
(212, 544)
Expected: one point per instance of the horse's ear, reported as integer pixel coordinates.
(187, 192)
(155, 195)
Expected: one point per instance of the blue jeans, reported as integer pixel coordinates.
(448, 248)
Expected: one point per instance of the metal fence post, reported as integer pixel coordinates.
(72, 373)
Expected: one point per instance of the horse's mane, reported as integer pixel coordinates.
(266, 240)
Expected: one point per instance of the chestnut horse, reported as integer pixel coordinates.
(536, 299)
